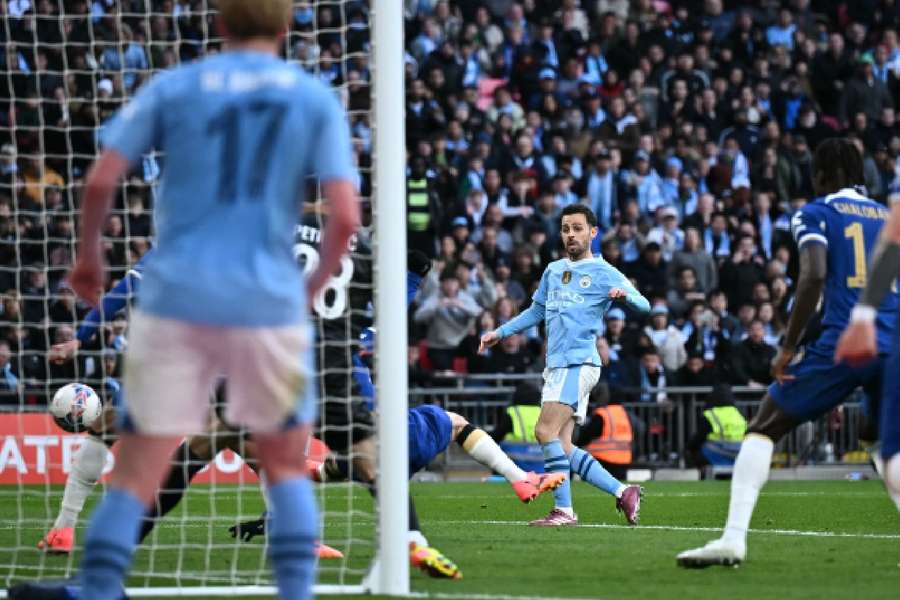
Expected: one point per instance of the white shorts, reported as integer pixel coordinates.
(171, 367)
(572, 386)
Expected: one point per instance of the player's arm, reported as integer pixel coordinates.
(335, 169)
(111, 303)
(529, 317)
(133, 132)
(858, 342)
(810, 283)
(87, 275)
(343, 221)
(625, 291)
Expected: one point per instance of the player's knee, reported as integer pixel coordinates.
(459, 423)
(364, 470)
(88, 463)
(771, 421)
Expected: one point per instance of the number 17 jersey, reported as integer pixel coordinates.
(241, 132)
(848, 224)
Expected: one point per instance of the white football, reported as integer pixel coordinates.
(75, 406)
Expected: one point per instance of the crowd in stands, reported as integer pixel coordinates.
(687, 126)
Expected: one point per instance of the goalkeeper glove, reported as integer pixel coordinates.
(248, 530)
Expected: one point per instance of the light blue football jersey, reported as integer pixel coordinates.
(241, 132)
(573, 298)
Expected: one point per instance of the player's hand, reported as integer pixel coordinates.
(60, 353)
(248, 530)
(86, 278)
(487, 340)
(856, 345)
(617, 293)
(780, 363)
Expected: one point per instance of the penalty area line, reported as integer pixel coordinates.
(786, 532)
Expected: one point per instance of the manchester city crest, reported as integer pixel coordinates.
(567, 277)
(585, 282)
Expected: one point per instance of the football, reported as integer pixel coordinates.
(75, 407)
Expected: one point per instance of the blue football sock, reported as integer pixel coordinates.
(593, 472)
(293, 530)
(555, 461)
(111, 537)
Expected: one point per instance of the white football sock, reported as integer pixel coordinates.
(892, 478)
(418, 539)
(485, 450)
(751, 471)
(87, 467)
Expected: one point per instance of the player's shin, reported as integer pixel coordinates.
(87, 467)
(292, 537)
(109, 544)
(480, 446)
(751, 471)
(593, 473)
(556, 461)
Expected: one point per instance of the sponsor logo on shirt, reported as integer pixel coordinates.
(563, 299)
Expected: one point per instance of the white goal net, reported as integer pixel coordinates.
(65, 67)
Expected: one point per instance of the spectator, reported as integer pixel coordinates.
(864, 93)
(649, 271)
(693, 255)
(666, 233)
(666, 338)
(695, 372)
(448, 314)
(509, 356)
(9, 379)
(752, 359)
(740, 274)
(686, 292)
(603, 190)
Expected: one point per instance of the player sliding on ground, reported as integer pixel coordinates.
(574, 295)
(859, 343)
(223, 294)
(835, 233)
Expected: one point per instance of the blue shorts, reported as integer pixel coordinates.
(430, 432)
(819, 385)
(890, 404)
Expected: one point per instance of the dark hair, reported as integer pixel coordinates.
(839, 163)
(579, 209)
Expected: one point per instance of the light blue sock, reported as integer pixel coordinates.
(293, 529)
(593, 472)
(555, 461)
(111, 538)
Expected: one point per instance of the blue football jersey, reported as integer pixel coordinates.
(848, 224)
(241, 132)
(572, 298)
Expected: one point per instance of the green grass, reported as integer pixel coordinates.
(816, 540)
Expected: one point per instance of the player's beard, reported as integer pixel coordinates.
(576, 250)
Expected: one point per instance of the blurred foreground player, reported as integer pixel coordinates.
(220, 295)
(574, 295)
(859, 342)
(835, 234)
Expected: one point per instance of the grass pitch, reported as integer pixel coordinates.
(817, 540)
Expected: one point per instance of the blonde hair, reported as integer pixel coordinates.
(245, 19)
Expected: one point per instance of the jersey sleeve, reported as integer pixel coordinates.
(333, 154)
(540, 295)
(135, 129)
(808, 226)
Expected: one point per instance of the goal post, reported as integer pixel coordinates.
(67, 66)
(390, 294)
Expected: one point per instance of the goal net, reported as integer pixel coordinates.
(65, 67)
